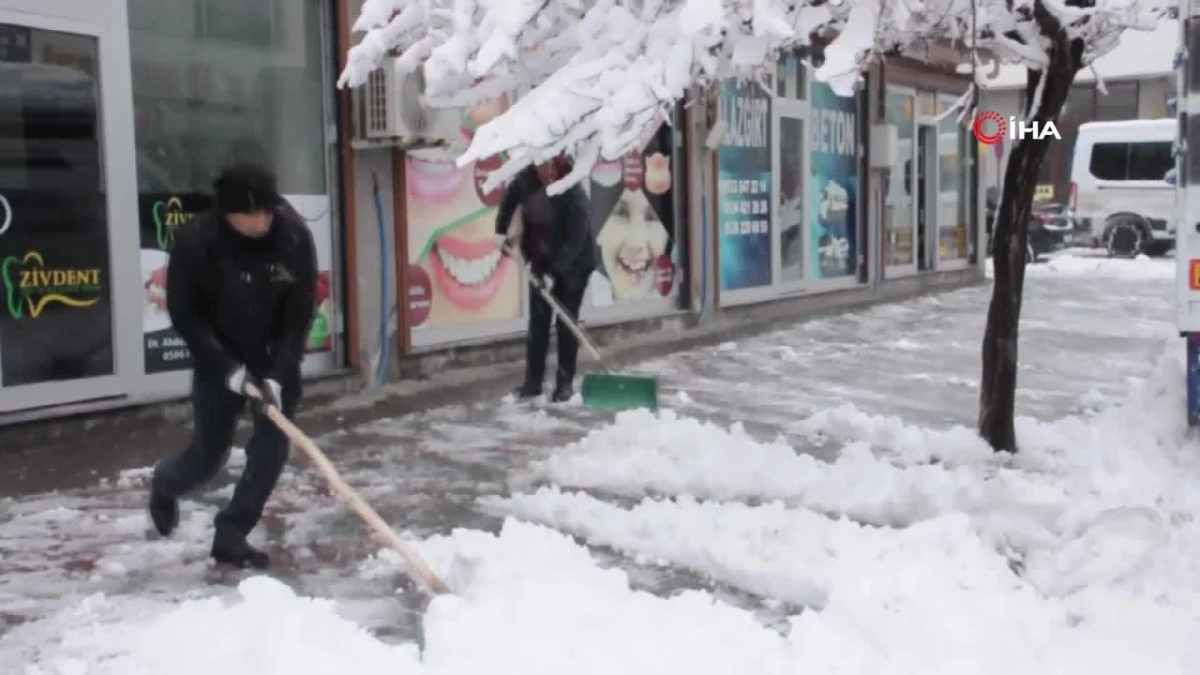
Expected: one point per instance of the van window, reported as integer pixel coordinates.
(1109, 161)
(1131, 161)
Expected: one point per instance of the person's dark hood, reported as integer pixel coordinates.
(245, 188)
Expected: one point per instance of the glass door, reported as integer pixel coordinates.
(901, 204)
(790, 165)
(953, 167)
(56, 321)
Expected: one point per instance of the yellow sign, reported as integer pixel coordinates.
(1043, 193)
(29, 285)
(168, 216)
(1194, 275)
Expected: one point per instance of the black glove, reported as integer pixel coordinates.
(272, 395)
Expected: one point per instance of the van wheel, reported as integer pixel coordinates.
(1125, 237)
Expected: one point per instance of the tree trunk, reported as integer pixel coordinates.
(1010, 235)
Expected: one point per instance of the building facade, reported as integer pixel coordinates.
(116, 114)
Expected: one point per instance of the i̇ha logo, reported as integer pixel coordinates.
(990, 127)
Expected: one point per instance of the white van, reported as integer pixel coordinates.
(1119, 192)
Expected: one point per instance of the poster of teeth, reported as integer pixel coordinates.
(457, 275)
(633, 221)
(834, 184)
(160, 216)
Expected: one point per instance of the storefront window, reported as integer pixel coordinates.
(217, 82)
(899, 197)
(791, 198)
(791, 78)
(927, 104)
(833, 188)
(1119, 103)
(952, 174)
(56, 322)
(744, 187)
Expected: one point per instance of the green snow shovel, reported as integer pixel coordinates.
(608, 390)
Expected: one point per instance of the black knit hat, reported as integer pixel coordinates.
(245, 188)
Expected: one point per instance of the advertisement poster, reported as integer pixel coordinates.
(56, 322)
(834, 184)
(633, 221)
(744, 186)
(159, 217)
(457, 275)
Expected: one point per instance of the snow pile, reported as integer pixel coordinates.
(1075, 265)
(1098, 515)
(893, 473)
(535, 602)
(1137, 269)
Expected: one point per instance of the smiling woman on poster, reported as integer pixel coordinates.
(632, 217)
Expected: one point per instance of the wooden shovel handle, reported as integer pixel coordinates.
(417, 568)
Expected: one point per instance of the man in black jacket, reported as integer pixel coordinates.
(241, 283)
(556, 240)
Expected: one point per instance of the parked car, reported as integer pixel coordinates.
(1049, 226)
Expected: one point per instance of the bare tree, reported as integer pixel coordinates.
(597, 73)
(1070, 35)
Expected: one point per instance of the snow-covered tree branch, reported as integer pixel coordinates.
(596, 73)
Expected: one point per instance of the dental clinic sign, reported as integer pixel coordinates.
(990, 127)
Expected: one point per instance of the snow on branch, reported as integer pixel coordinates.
(596, 74)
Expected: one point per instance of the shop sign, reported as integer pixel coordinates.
(30, 286)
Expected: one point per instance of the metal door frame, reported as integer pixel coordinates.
(927, 128)
(119, 207)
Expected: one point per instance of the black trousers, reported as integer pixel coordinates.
(215, 413)
(569, 293)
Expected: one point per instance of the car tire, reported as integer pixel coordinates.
(1124, 237)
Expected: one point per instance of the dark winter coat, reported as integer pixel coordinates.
(236, 300)
(556, 237)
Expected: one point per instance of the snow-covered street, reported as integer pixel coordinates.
(810, 500)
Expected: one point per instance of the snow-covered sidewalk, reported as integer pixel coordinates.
(815, 502)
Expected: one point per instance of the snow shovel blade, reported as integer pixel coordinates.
(619, 392)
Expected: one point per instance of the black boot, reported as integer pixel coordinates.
(563, 391)
(164, 512)
(231, 548)
(527, 391)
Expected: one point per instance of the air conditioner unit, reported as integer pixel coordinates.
(389, 105)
